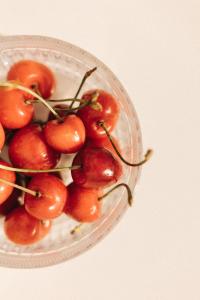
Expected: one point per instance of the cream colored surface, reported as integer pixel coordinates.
(154, 49)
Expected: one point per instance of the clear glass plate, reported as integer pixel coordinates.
(69, 63)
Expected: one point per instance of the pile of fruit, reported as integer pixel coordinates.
(81, 126)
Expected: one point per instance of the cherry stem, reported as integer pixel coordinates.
(19, 187)
(76, 229)
(29, 91)
(130, 197)
(147, 155)
(35, 88)
(86, 103)
(38, 171)
(57, 100)
(92, 102)
(87, 74)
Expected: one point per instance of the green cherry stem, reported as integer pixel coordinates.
(38, 171)
(92, 102)
(19, 187)
(87, 74)
(130, 197)
(57, 100)
(15, 85)
(35, 88)
(86, 103)
(147, 155)
(76, 229)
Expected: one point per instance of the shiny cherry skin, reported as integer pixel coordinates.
(51, 199)
(67, 136)
(62, 113)
(29, 150)
(15, 112)
(33, 75)
(99, 168)
(2, 137)
(11, 203)
(83, 204)
(90, 117)
(6, 190)
(105, 143)
(23, 229)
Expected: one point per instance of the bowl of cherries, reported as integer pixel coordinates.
(70, 151)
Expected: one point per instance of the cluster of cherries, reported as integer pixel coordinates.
(34, 148)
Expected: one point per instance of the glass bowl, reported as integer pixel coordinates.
(69, 63)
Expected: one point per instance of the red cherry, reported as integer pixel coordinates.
(15, 113)
(29, 150)
(2, 137)
(51, 199)
(83, 204)
(67, 136)
(90, 117)
(6, 190)
(98, 168)
(62, 113)
(12, 202)
(23, 229)
(104, 143)
(44, 228)
(33, 74)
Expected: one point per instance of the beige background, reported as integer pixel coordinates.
(154, 49)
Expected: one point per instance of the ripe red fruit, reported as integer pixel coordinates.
(15, 113)
(29, 150)
(51, 199)
(6, 190)
(33, 75)
(104, 143)
(98, 168)
(2, 137)
(90, 117)
(67, 136)
(83, 204)
(23, 229)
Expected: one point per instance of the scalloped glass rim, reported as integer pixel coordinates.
(25, 260)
